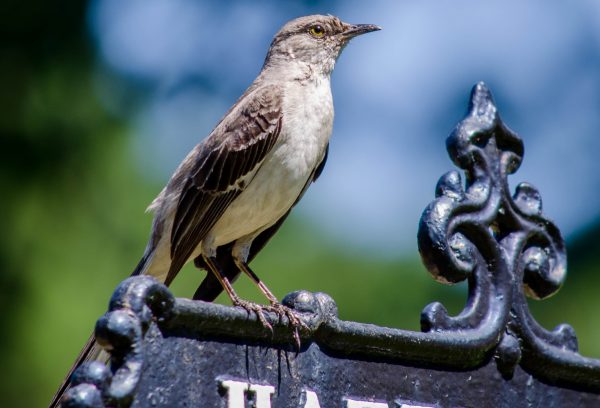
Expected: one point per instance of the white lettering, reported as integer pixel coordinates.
(311, 400)
(350, 403)
(235, 393)
(263, 394)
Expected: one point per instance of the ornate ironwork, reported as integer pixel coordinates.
(135, 304)
(500, 243)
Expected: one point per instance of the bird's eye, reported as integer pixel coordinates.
(317, 31)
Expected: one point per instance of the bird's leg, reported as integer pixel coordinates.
(235, 299)
(275, 306)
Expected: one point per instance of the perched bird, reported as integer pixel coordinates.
(236, 187)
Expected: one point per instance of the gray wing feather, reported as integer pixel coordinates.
(237, 145)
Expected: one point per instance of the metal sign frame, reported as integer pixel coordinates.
(178, 352)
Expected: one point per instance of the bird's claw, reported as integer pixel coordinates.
(292, 316)
(280, 310)
(255, 308)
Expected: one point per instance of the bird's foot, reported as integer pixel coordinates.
(280, 310)
(292, 316)
(255, 308)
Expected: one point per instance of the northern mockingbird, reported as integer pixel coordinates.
(236, 187)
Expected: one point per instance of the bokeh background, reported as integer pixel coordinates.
(101, 99)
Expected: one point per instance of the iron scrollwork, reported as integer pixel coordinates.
(500, 243)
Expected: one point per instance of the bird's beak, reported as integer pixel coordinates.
(359, 29)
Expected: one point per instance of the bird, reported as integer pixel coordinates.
(234, 189)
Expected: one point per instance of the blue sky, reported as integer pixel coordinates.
(398, 93)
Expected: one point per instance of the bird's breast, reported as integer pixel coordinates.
(307, 125)
(279, 181)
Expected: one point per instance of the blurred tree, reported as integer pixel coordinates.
(68, 192)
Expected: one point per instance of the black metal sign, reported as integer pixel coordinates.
(168, 352)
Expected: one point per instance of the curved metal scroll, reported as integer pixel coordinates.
(502, 244)
(134, 305)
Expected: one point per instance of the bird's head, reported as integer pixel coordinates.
(315, 41)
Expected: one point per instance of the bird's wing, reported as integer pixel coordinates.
(210, 287)
(317, 172)
(221, 168)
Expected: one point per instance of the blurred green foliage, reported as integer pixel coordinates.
(74, 225)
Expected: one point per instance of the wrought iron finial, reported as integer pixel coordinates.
(502, 244)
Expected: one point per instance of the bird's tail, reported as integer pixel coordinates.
(92, 351)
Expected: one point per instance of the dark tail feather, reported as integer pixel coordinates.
(92, 350)
(140, 266)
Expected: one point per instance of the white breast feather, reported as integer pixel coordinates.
(307, 125)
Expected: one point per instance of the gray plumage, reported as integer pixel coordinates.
(285, 119)
(234, 189)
